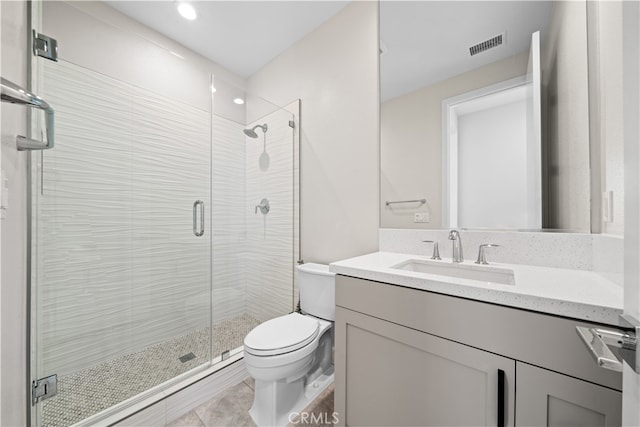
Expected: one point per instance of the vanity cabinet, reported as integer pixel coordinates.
(399, 376)
(407, 357)
(547, 398)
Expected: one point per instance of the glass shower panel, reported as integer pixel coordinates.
(230, 321)
(269, 166)
(151, 256)
(270, 169)
(124, 286)
(253, 252)
(171, 180)
(122, 228)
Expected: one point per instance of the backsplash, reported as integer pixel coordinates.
(599, 253)
(608, 257)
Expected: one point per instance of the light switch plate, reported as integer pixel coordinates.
(607, 206)
(4, 195)
(421, 217)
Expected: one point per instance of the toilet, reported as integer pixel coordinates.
(291, 357)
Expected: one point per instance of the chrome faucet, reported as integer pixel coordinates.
(481, 257)
(457, 246)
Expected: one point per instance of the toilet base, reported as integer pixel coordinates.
(286, 400)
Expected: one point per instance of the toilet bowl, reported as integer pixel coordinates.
(291, 357)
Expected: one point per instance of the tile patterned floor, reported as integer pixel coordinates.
(230, 409)
(90, 391)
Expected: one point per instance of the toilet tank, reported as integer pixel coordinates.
(317, 290)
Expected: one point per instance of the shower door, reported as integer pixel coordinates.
(121, 243)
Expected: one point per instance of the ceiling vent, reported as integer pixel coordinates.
(487, 44)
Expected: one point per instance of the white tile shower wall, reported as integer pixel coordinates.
(118, 262)
(228, 212)
(269, 174)
(563, 250)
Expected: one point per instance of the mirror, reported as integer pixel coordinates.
(427, 66)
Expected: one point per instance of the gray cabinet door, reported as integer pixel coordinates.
(391, 375)
(546, 398)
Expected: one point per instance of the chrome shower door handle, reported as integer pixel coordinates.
(198, 229)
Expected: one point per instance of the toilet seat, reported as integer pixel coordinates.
(282, 335)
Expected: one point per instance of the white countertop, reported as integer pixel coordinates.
(576, 294)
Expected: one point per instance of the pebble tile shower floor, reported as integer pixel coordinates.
(92, 390)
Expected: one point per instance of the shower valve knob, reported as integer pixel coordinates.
(263, 206)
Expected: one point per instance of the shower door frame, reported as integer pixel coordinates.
(34, 20)
(122, 409)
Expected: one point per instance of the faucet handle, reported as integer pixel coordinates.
(481, 258)
(436, 251)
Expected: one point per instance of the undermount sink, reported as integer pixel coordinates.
(503, 276)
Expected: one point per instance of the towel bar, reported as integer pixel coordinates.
(14, 94)
(421, 201)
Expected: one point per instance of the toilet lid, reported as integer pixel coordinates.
(281, 335)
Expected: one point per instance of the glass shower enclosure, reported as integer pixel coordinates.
(161, 231)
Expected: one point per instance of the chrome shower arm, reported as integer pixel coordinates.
(14, 94)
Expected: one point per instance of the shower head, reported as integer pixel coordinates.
(251, 133)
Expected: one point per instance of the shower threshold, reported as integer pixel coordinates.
(93, 390)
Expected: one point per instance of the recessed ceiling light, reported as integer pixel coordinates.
(187, 11)
(239, 101)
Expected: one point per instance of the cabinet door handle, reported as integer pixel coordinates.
(501, 397)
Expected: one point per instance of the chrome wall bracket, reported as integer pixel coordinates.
(45, 46)
(44, 388)
(630, 352)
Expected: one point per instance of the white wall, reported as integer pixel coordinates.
(411, 142)
(13, 355)
(566, 141)
(334, 71)
(631, 85)
(606, 102)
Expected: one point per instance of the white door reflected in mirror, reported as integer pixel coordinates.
(492, 164)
